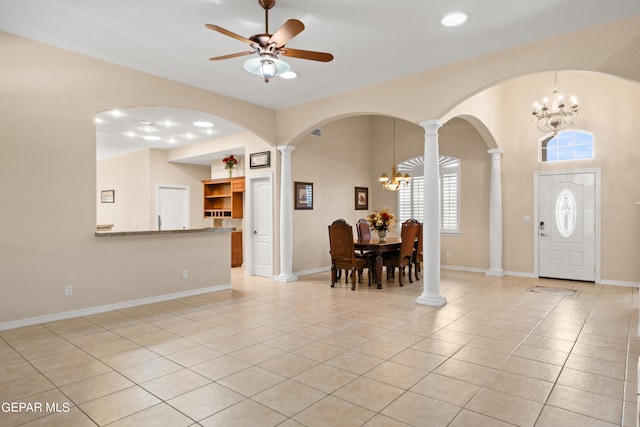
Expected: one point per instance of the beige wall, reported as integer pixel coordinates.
(129, 176)
(609, 48)
(48, 186)
(610, 107)
(134, 178)
(164, 172)
(346, 156)
(48, 169)
(470, 248)
(335, 163)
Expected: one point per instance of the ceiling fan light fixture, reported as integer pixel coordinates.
(267, 68)
(288, 75)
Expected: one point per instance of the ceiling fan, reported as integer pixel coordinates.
(269, 46)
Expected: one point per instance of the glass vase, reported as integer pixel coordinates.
(381, 235)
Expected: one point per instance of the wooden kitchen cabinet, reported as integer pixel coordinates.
(236, 248)
(223, 198)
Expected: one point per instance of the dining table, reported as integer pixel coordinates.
(376, 248)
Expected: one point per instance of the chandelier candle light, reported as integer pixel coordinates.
(554, 115)
(397, 180)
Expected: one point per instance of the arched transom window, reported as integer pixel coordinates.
(567, 145)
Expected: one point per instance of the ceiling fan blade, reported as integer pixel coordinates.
(229, 33)
(231, 55)
(289, 30)
(307, 54)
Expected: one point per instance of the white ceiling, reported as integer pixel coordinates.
(371, 40)
(125, 132)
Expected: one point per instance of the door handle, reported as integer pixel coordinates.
(543, 234)
(255, 231)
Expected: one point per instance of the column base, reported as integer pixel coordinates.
(497, 272)
(286, 278)
(438, 301)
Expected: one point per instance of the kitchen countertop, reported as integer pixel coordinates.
(154, 232)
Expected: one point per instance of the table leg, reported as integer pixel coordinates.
(378, 273)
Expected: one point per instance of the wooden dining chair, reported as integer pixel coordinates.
(417, 253)
(404, 257)
(343, 254)
(364, 235)
(362, 227)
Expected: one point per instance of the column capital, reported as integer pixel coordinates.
(431, 124)
(495, 152)
(285, 148)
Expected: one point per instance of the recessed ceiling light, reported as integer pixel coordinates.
(98, 120)
(116, 113)
(168, 123)
(131, 134)
(190, 136)
(151, 137)
(454, 19)
(203, 124)
(289, 75)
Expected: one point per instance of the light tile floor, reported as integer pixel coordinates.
(304, 354)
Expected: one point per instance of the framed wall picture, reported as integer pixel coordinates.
(108, 196)
(303, 194)
(260, 160)
(362, 198)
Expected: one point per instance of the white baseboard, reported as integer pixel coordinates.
(520, 274)
(484, 270)
(108, 307)
(619, 283)
(313, 271)
(458, 268)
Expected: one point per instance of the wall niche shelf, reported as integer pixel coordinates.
(223, 197)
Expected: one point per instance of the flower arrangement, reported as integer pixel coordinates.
(381, 219)
(229, 162)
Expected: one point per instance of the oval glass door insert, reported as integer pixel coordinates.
(566, 213)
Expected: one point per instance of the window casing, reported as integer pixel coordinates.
(567, 145)
(411, 196)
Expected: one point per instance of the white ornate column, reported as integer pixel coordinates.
(495, 215)
(431, 226)
(286, 216)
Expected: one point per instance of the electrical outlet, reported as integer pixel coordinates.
(185, 274)
(68, 290)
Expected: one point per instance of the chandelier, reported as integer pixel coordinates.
(554, 114)
(397, 179)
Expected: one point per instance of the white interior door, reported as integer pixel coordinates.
(567, 226)
(261, 234)
(173, 207)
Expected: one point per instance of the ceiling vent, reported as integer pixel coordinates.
(316, 132)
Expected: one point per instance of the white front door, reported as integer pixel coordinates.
(261, 227)
(567, 226)
(172, 207)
